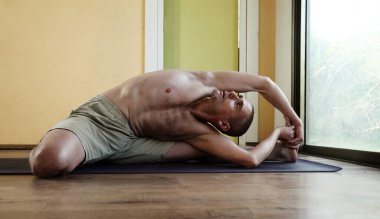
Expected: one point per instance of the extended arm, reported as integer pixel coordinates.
(225, 149)
(233, 81)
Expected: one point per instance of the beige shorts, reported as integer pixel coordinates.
(105, 135)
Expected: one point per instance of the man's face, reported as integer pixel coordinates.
(229, 104)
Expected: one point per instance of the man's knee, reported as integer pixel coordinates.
(46, 161)
(59, 152)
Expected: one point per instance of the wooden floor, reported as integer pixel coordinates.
(354, 192)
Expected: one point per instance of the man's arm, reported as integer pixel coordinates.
(242, 82)
(225, 149)
(233, 81)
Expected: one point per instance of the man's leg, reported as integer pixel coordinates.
(182, 152)
(59, 152)
(281, 152)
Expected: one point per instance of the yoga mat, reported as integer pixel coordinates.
(21, 166)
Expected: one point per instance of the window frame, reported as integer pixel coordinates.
(299, 53)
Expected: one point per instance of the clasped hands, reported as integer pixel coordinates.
(292, 133)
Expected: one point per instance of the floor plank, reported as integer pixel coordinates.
(353, 192)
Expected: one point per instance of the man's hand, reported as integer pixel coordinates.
(297, 123)
(299, 136)
(286, 133)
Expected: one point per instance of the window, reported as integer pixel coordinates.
(343, 74)
(340, 84)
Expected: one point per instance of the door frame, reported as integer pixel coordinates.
(154, 35)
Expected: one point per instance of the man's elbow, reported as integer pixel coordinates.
(265, 84)
(250, 163)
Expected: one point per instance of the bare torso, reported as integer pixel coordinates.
(158, 105)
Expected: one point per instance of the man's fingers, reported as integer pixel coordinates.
(296, 141)
(299, 135)
(292, 147)
(291, 135)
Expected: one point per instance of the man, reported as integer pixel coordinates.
(169, 115)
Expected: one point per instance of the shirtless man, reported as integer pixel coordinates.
(169, 115)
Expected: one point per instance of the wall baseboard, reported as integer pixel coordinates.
(17, 146)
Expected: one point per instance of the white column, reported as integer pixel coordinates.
(249, 56)
(154, 17)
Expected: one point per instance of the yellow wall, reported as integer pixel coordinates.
(267, 62)
(201, 34)
(54, 55)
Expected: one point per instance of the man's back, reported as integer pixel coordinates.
(158, 105)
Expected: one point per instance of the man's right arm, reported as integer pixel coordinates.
(224, 148)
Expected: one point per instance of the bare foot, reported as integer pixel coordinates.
(289, 154)
(282, 153)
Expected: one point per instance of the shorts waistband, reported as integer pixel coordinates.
(105, 100)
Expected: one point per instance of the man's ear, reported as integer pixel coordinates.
(224, 125)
